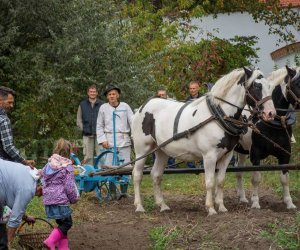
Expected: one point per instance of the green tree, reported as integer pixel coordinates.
(51, 50)
(51, 70)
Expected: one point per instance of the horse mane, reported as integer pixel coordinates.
(277, 76)
(222, 86)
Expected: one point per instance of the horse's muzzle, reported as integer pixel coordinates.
(268, 116)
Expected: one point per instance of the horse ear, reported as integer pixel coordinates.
(248, 72)
(291, 72)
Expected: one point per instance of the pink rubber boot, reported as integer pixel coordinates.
(63, 244)
(53, 238)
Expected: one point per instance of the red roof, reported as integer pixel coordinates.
(286, 3)
(290, 2)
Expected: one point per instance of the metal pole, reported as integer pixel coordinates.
(201, 170)
(114, 163)
(115, 158)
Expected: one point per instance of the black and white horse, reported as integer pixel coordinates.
(286, 83)
(197, 130)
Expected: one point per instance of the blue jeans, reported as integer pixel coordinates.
(57, 211)
(191, 164)
(171, 162)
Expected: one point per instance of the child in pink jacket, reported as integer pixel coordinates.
(59, 190)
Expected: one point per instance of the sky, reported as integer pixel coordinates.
(227, 26)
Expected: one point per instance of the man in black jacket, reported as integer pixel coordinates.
(86, 121)
(194, 88)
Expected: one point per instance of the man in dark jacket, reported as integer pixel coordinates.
(86, 121)
(194, 88)
(8, 150)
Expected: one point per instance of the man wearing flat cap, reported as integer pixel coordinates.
(104, 129)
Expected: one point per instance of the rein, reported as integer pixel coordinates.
(190, 131)
(256, 130)
(282, 119)
(175, 137)
(256, 109)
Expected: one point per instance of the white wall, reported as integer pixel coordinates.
(243, 25)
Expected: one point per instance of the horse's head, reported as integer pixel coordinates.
(258, 93)
(292, 81)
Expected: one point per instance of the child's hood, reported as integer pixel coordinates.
(56, 162)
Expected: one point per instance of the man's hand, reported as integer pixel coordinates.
(105, 144)
(29, 219)
(30, 163)
(83, 162)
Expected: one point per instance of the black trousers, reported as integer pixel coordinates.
(3, 233)
(64, 224)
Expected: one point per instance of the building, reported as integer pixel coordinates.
(271, 53)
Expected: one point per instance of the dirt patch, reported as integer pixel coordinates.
(115, 225)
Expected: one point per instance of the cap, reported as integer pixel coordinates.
(110, 87)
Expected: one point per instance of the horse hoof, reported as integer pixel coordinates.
(211, 211)
(140, 209)
(223, 209)
(255, 206)
(165, 208)
(244, 200)
(291, 206)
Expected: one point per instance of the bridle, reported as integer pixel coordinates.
(256, 108)
(292, 94)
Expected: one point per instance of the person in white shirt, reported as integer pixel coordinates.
(104, 128)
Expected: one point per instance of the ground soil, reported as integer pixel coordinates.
(116, 225)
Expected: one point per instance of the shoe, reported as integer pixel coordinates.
(63, 244)
(53, 238)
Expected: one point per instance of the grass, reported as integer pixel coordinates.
(285, 236)
(190, 184)
(161, 236)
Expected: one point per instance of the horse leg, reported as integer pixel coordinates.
(239, 179)
(209, 166)
(220, 179)
(137, 179)
(284, 179)
(157, 171)
(255, 180)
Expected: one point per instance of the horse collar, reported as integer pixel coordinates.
(234, 129)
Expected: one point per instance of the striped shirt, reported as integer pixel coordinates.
(8, 151)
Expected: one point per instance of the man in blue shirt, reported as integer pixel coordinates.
(18, 185)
